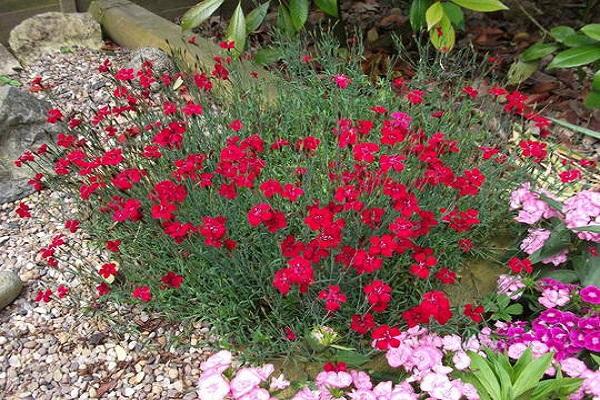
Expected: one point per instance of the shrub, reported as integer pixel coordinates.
(344, 203)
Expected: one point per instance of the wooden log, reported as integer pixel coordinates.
(132, 26)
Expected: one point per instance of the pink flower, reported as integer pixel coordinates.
(590, 294)
(516, 350)
(342, 81)
(212, 387)
(461, 360)
(397, 357)
(510, 285)
(557, 259)
(279, 383)
(535, 240)
(244, 382)
(361, 380)
(452, 343)
(333, 379)
(532, 208)
(256, 394)
(554, 297)
(218, 362)
(426, 357)
(583, 210)
(306, 394)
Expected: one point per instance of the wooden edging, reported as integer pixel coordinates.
(132, 26)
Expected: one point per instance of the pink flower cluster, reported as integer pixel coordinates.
(591, 379)
(583, 210)
(245, 384)
(536, 240)
(554, 293)
(530, 205)
(421, 353)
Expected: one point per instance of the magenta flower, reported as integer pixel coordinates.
(590, 294)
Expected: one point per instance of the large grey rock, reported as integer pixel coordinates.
(8, 64)
(10, 287)
(161, 62)
(23, 126)
(52, 31)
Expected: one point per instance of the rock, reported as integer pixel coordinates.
(8, 64)
(22, 126)
(10, 287)
(97, 338)
(53, 31)
(160, 60)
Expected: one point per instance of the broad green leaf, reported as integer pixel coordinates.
(481, 5)
(199, 13)
(442, 35)
(559, 239)
(519, 71)
(298, 12)
(5, 80)
(537, 51)
(596, 359)
(485, 375)
(236, 30)
(352, 358)
(560, 33)
(576, 57)
(284, 21)
(543, 390)
(503, 301)
(417, 14)
(568, 386)
(470, 378)
(588, 269)
(578, 40)
(256, 17)
(596, 82)
(268, 55)
(592, 31)
(514, 309)
(576, 128)
(502, 368)
(329, 7)
(531, 375)
(434, 14)
(455, 14)
(592, 100)
(563, 275)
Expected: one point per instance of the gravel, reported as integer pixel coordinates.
(64, 349)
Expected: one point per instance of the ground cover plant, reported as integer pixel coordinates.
(334, 213)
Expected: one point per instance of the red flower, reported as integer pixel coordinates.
(172, 280)
(365, 152)
(227, 44)
(142, 293)
(192, 109)
(385, 337)
(107, 270)
(43, 296)
(289, 334)
(236, 125)
(470, 91)
(338, 366)
(518, 265)
(362, 324)
(62, 291)
(569, 176)
(54, 115)
(102, 289)
(334, 298)
(291, 192)
(474, 313)
(213, 230)
(23, 210)
(461, 221)
(465, 245)
(318, 218)
(532, 149)
(435, 304)
(125, 74)
(72, 225)
(379, 295)
(446, 276)
(113, 245)
(415, 96)
(270, 188)
(342, 81)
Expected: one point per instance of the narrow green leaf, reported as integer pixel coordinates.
(417, 14)
(485, 375)
(434, 14)
(576, 128)
(455, 14)
(329, 7)
(576, 57)
(442, 36)
(592, 31)
(592, 100)
(532, 374)
(481, 5)
(298, 12)
(199, 13)
(560, 33)
(537, 51)
(256, 17)
(519, 71)
(591, 228)
(236, 30)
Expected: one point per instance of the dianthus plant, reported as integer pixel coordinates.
(340, 201)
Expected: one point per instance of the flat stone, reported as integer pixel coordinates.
(8, 63)
(10, 287)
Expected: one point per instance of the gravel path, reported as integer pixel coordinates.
(61, 349)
